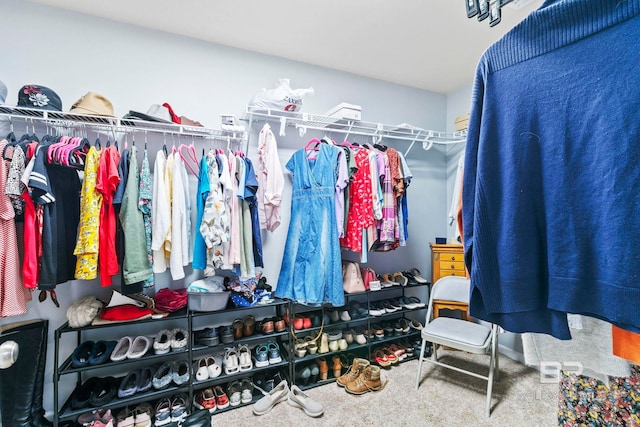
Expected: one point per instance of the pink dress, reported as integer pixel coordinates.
(13, 297)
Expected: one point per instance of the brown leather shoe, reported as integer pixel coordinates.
(324, 368)
(368, 380)
(279, 324)
(237, 326)
(249, 324)
(354, 371)
(267, 326)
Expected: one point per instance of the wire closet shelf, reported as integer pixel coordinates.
(377, 131)
(79, 123)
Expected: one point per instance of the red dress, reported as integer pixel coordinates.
(360, 215)
(106, 184)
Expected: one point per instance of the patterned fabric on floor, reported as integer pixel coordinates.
(586, 401)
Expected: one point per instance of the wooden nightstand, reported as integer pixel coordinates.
(448, 260)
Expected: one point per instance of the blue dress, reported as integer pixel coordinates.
(311, 271)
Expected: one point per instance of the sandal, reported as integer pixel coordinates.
(398, 351)
(381, 358)
(391, 357)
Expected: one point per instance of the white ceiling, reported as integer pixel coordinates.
(428, 44)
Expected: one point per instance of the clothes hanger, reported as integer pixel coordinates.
(11, 140)
(78, 154)
(164, 144)
(312, 144)
(190, 157)
(346, 143)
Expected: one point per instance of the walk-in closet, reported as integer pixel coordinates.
(360, 213)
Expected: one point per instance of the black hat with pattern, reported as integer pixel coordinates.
(40, 97)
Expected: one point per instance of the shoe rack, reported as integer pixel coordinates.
(109, 368)
(365, 350)
(189, 320)
(252, 341)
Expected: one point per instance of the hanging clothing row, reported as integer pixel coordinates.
(77, 229)
(344, 195)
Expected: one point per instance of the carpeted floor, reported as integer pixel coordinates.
(445, 398)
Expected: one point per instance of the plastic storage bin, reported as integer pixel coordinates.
(208, 301)
(208, 294)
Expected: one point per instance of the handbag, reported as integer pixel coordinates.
(352, 278)
(368, 276)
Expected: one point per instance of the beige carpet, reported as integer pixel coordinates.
(445, 398)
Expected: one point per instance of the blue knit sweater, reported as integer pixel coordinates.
(551, 193)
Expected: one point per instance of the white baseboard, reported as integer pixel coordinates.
(511, 353)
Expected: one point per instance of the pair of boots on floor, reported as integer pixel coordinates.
(362, 377)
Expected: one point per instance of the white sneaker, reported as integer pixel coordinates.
(278, 394)
(214, 366)
(298, 399)
(201, 369)
(230, 361)
(244, 358)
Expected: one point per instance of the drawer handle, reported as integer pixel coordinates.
(453, 266)
(453, 257)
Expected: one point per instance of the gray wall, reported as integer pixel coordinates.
(135, 67)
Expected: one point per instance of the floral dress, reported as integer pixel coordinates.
(86, 249)
(360, 215)
(145, 195)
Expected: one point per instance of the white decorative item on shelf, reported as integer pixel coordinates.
(228, 119)
(281, 98)
(346, 111)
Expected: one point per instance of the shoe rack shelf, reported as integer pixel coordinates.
(366, 299)
(67, 412)
(184, 318)
(199, 351)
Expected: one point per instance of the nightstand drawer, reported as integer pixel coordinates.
(451, 265)
(444, 257)
(460, 273)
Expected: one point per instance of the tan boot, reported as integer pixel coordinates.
(337, 366)
(324, 368)
(369, 380)
(354, 371)
(324, 344)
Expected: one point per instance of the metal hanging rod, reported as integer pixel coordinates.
(404, 132)
(114, 124)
